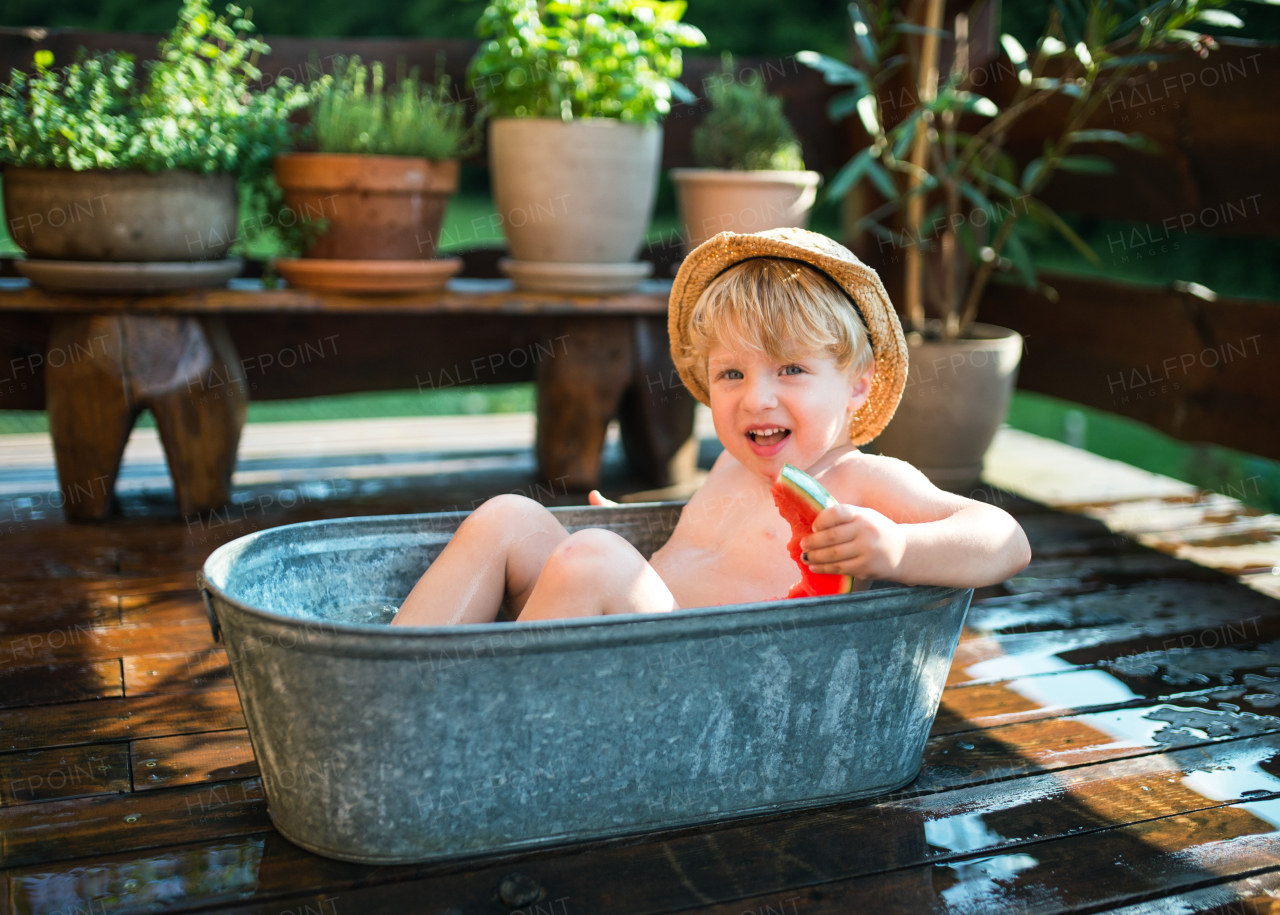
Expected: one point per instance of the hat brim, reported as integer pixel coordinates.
(862, 284)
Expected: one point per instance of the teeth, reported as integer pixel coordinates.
(773, 430)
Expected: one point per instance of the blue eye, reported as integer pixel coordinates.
(793, 370)
(731, 374)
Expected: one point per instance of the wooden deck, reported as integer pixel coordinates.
(1109, 738)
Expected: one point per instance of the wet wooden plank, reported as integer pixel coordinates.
(120, 719)
(170, 606)
(32, 776)
(45, 684)
(165, 762)
(678, 871)
(152, 674)
(36, 607)
(62, 830)
(1252, 896)
(167, 879)
(1087, 872)
(84, 643)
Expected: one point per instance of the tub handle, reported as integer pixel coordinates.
(214, 628)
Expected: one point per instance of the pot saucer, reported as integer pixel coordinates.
(367, 275)
(126, 277)
(550, 276)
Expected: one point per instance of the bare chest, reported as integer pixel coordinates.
(730, 549)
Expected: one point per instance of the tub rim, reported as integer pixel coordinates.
(381, 640)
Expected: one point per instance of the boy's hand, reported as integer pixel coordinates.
(851, 540)
(594, 498)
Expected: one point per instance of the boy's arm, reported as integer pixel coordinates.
(905, 529)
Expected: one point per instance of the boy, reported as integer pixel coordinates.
(794, 345)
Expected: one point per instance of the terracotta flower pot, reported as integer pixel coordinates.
(577, 193)
(957, 396)
(714, 200)
(377, 207)
(116, 216)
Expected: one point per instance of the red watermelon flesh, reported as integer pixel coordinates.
(800, 498)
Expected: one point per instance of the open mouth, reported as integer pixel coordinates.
(768, 437)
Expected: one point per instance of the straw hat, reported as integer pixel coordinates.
(716, 255)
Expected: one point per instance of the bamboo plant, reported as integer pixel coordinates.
(934, 170)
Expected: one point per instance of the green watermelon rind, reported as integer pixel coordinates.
(803, 486)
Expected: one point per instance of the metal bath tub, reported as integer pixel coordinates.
(395, 745)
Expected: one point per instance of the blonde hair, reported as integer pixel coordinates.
(785, 308)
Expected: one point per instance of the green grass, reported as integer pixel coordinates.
(1251, 479)
(498, 398)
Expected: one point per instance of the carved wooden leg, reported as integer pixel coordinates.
(187, 371)
(656, 416)
(578, 393)
(91, 410)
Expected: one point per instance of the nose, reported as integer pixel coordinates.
(759, 396)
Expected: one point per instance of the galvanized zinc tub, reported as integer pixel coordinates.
(396, 745)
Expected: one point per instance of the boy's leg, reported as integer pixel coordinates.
(497, 552)
(594, 572)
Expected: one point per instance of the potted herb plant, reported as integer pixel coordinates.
(751, 176)
(376, 189)
(964, 206)
(116, 180)
(575, 94)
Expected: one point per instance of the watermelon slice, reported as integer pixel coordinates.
(800, 498)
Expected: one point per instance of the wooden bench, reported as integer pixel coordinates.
(195, 359)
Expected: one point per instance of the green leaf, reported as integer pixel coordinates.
(867, 112)
(1021, 258)
(862, 36)
(1051, 46)
(1000, 184)
(1134, 60)
(1014, 49)
(905, 132)
(977, 198)
(1136, 141)
(834, 72)
(681, 92)
(907, 28)
(1221, 18)
(1088, 165)
(1031, 173)
(1044, 214)
(850, 173)
(844, 104)
(882, 180)
(970, 101)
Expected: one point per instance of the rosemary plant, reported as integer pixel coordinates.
(356, 113)
(745, 128)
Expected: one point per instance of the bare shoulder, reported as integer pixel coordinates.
(890, 486)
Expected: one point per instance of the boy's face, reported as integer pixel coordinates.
(768, 414)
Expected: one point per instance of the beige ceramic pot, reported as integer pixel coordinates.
(118, 215)
(377, 207)
(956, 397)
(575, 192)
(714, 200)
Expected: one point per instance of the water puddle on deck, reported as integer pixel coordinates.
(1074, 689)
(224, 871)
(983, 884)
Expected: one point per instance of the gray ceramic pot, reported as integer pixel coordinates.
(957, 396)
(109, 215)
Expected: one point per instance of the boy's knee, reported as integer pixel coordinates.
(590, 548)
(506, 508)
